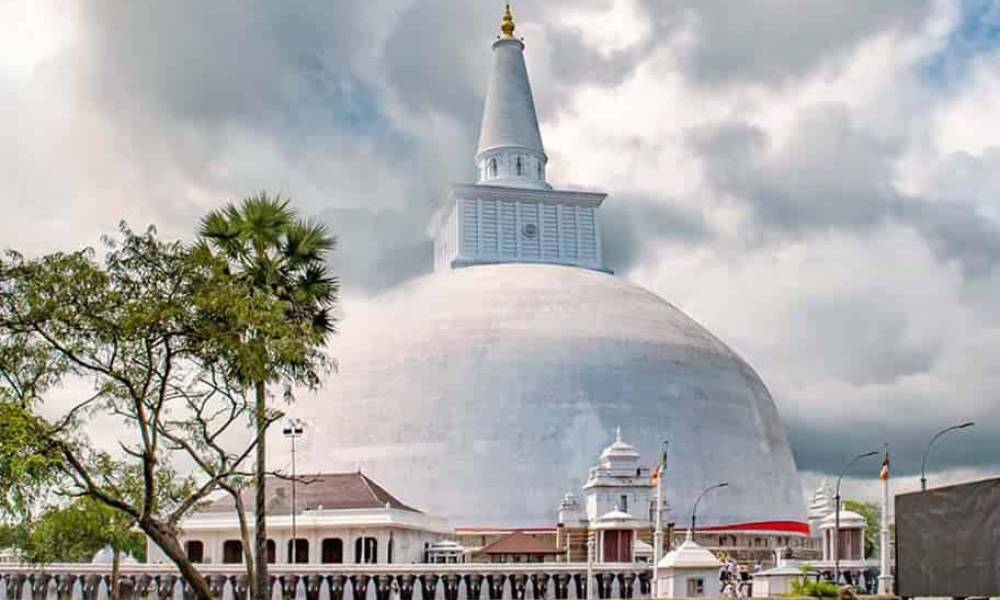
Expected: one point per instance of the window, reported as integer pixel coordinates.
(388, 556)
(695, 587)
(540, 170)
(271, 551)
(366, 551)
(195, 551)
(519, 165)
(332, 551)
(298, 553)
(624, 503)
(232, 551)
(493, 167)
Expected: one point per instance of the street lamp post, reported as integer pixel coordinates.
(694, 509)
(293, 430)
(836, 518)
(923, 461)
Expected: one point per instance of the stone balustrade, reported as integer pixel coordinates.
(463, 581)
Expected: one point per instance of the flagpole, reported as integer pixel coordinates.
(885, 572)
(590, 565)
(658, 534)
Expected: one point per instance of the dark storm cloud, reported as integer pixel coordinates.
(774, 41)
(861, 341)
(312, 80)
(825, 449)
(383, 248)
(830, 173)
(304, 78)
(833, 174)
(440, 74)
(769, 42)
(574, 62)
(221, 60)
(633, 220)
(957, 232)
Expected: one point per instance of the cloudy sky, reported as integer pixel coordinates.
(816, 181)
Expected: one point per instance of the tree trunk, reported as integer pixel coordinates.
(165, 538)
(241, 517)
(116, 562)
(260, 505)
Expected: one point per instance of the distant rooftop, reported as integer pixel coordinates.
(518, 542)
(329, 491)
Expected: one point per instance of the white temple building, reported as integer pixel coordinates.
(339, 518)
(616, 511)
(478, 391)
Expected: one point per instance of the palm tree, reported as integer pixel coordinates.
(265, 241)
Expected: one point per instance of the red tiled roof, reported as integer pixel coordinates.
(330, 491)
(519, 543)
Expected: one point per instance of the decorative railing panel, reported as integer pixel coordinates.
(466, 581)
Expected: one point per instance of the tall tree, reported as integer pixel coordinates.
(272, 249)
(154, 335)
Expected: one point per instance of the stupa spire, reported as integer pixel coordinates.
(510, 149)
(511, 214)
(507, 23)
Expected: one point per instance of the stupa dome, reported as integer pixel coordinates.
(482, 394)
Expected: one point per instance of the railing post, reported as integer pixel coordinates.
(359, 586)
(406, 586)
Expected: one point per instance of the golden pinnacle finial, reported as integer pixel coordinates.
(507, 24)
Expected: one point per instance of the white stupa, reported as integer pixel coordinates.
(478, 392)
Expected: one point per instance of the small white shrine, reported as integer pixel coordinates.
(850, 544)
(689, 571)
(777, 581)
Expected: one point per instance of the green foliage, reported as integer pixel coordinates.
(873, 525)
(27, 466)
(814, 589)
(75, 533)
(161, 335)
(807, 586)
(11, 536)
(267, 247)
